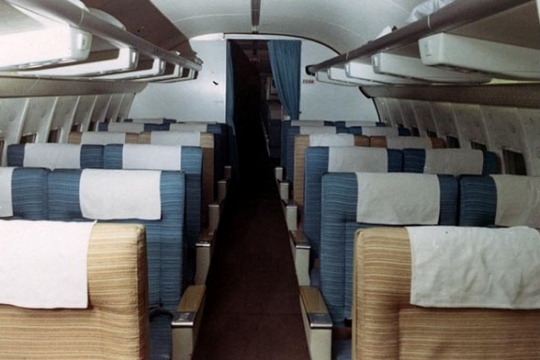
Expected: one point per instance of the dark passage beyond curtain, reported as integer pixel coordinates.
(285, 62)
(229, 111)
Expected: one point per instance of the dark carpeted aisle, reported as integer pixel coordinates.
(252, 309)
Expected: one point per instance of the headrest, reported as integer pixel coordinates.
(379, 131)
(125, 127)
(120, 194)
(355, 158)
(475, 267)
(151, 157)
(404, 142)
(49, 262)
(398, 199)
(199, 127)
(6, 201)
(331, 140)
(52, 156)
(518, 200)
(184, 138)
(310, 130)
(454, 161)
(103, 138)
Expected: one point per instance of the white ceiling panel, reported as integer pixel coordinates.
(340, 24)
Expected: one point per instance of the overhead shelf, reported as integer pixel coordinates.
(101, 44)
(471, 41)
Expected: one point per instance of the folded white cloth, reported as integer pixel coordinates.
(200, 127)
(43, 264)
(357, 159)
(454, 162)
(475, 267)
(52, 156)
(6, 200)
(311, 130)
(331, 140)
(380, 131)
(120, 194)
(411, 142)
(518, 200)
(125, 127)
(152, 157)
(398, 199)
(103, 137)
(184, 138)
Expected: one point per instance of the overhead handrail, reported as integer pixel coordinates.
(85, 20)
(450, 17)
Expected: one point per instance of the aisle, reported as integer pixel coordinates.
(252, 310)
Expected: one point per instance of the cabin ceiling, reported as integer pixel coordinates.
(340, 24)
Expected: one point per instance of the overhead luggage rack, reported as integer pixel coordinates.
(485, 32)
(109, 50)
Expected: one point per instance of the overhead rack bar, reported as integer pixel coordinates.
(454, 15)
(82, 19)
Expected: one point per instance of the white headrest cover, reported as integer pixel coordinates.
(475, 267)
(52, 156)
(398, 199)
(6, 204)
(103, 137)
(184, 138)
(518, 200)
(120, 194)
(454, 162)
(151, 157)
(331, 140)
(357, 159)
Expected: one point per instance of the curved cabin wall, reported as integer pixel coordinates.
(32, 110)
(501, 118)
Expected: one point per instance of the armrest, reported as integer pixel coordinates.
(204, 250)
(290, 210)
(214, 214)
(301, 249)
(317, 323)
(278, 173)
(227, 172)
(284, 190)
(186, 322)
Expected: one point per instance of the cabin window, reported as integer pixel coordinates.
(478, 146)
(76, 127)
(54, 136)
(514, 163)
(1, 147)
(414, 131)
(28, 139)
(431, 134)
(452, 142)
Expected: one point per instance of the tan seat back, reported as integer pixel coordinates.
(114, 326)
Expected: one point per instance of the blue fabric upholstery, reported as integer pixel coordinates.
(104, 126)
(192, 167)
(338, 227)
(316, 165)
(29, 194)
(163, 237)
(91, 156)
(414, 161)
(478, 201)
(160, 336)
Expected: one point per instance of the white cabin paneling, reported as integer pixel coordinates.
(99, 112)
(424, 117)
(444, 117)
(64, 115)
(204, 98)
(114, 107)
(13, 113)
(394, 109)
(470, 123)
(530, 120)
(409, 116)
(39, 117)
(83, 114)
(382, 110)
(125, 106)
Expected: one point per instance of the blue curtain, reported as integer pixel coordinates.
(229, 112)
(285, 63)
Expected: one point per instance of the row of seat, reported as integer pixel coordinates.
(154, 199)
